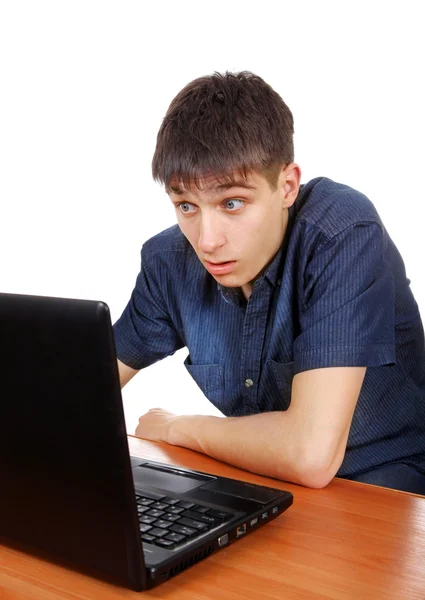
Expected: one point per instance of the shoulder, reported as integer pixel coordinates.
(332, 207)
(169, 256)
(167, 246)
(170, 239)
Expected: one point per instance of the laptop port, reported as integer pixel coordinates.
(223, 540)
(253, 521)
(241, 530)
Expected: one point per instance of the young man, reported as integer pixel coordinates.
(292, 301)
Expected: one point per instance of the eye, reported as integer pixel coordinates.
(233, 204)
(186, 207)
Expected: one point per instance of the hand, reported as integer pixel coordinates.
(155, 425)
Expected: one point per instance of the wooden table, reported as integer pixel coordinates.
(347, 541)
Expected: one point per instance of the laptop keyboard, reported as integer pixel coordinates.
(168, 522)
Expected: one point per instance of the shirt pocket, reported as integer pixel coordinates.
(277, 385)
(210, 378)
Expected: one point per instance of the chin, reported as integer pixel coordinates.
(230, 280)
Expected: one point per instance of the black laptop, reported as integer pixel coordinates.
(69, 489)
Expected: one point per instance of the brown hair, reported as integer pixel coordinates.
(220, 124)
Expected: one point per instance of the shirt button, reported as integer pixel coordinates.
(279, 282)
(249, 383)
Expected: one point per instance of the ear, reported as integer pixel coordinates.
(289, 184)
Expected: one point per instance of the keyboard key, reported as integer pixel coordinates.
(171, 501)
(142, 509)
(152, 495)
(145, 501)
(164, 543)
(171, 518)
(209, 520)
(146, 537)
(200, 509)
(144, 528)
(162, 523)
(190, 514)
(157, 532)
(147, 520)
(175, 537)
(195, 524)
(182, 529)
(220, 515)
(186, 504)
(155, 513)
(159, 505)
(175, 510)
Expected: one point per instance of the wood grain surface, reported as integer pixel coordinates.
(347, 541)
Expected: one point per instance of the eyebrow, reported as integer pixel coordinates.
(219, 187)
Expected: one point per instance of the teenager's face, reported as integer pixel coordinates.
(236, 229)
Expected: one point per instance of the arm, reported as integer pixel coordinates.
(305, 444)
(125, 373)
(145, 332)
(346, 323)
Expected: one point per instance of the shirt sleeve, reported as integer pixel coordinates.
(347, 316)
(145, 333)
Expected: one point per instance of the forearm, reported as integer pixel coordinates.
(254, 443)
(305, 444)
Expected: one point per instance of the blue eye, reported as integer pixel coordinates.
(186, 207)
(233, 204)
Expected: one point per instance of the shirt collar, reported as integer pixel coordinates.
(232, 296)
(274, 270)
(272, 273)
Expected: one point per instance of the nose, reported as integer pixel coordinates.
(211, 235)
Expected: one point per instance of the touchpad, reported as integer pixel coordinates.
(166, 478)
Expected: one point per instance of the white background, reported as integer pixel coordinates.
(84, 86)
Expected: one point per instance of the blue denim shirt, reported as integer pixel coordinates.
(336, 294)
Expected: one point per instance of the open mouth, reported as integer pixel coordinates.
(221, 268)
